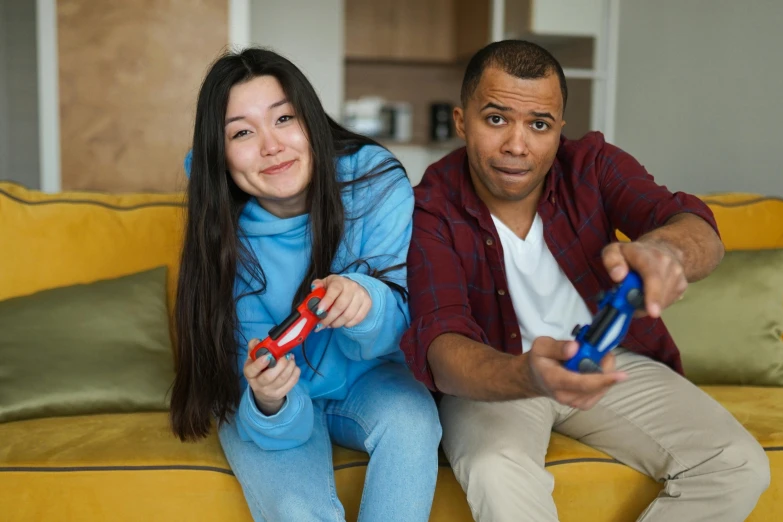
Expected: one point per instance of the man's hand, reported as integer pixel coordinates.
(544, 364)
(659, 265)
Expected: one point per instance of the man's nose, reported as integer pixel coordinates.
(516, 142)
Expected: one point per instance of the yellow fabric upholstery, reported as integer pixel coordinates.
(745, 221)
(54, 240)
(129, 467)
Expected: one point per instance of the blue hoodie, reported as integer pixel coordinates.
(380, 236)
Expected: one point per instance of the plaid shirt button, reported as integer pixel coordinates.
(513, 335)
(490, 242)
(501, 292)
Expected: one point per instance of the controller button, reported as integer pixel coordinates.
(635, 298)
(588, 366)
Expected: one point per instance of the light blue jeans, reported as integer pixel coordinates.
(387, 414)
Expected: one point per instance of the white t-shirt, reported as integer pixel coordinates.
(545, 301)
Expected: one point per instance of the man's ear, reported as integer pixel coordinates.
(459, 121)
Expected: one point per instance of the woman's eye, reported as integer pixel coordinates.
(495, 120)
(285, 118)
(540, 125)
(239, 134)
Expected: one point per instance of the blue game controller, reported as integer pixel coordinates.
(609, 325)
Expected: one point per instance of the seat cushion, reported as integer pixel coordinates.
(130, 467)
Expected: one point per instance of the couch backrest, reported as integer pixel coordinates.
(748, 221)
(51, 240)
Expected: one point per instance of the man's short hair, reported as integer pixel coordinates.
(518, 58)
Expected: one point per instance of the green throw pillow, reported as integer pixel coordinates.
(728, 326)
(102, 347)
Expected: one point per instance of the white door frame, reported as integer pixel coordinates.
(48, 95)
(48, 82)
(239, 23)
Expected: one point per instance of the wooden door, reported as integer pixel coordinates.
(129, 75)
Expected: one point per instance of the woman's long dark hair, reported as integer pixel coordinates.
(207, 377)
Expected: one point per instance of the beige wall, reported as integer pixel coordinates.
(699, 89)
(310, 34)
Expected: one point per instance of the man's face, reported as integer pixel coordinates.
(512, 131)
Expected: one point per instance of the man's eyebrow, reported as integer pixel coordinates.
(542, 115)
(495, 106)
(276, 104)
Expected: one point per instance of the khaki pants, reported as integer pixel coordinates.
(655, 422)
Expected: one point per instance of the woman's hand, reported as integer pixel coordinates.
(270, 385)
(347, 301)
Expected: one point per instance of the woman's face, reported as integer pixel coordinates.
(267, 147)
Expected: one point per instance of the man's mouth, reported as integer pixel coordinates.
(511, 171)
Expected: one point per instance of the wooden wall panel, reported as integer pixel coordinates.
(408, 30)
(129, 76)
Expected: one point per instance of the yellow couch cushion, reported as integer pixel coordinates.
(54, 240)
(745, 221)
(748, 221)
(130, 467)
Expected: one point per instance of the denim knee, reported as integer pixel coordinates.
(412, 420)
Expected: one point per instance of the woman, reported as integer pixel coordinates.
(281, 199)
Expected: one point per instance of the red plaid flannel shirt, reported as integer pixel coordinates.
(456, 273)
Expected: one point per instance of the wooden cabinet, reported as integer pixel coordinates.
(451, 30)
(415, 30)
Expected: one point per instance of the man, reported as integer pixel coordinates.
(514, 237)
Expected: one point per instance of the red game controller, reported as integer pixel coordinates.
(293, 330)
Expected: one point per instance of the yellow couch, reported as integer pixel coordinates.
(129, 467)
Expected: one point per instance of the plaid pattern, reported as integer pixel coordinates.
(456, 273)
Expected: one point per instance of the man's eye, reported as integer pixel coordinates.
(240, 134)
(495, 120)
(540, 125)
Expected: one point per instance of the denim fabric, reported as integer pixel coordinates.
(387, 414)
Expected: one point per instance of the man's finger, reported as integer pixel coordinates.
(614, 261)
(582, 384)
(552, 349)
